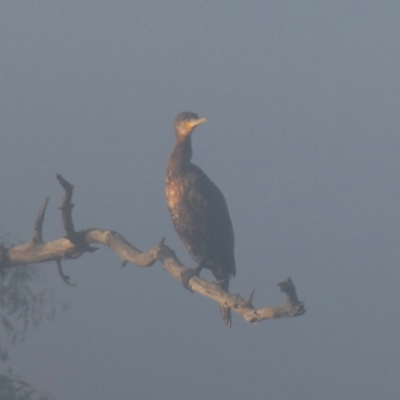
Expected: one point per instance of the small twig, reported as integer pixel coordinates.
(66, 209)
(64, 277)
(37, 230)
(287, 286)
(249, 300)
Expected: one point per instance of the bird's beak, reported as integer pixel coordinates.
(196, 122)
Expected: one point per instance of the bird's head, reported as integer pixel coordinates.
(185, 123)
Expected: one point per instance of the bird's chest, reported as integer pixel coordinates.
(175, 192)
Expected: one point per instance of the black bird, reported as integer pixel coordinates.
(198, 210)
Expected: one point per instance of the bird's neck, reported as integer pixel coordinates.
(182, 154)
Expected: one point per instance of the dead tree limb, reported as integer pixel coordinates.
(244, 307)
(76, 243)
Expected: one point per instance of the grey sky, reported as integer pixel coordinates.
(302, 102)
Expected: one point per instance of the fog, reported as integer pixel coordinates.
(302, 103)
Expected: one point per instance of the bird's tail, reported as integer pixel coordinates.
(226, 311)
(226, 315)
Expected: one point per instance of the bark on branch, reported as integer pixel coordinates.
(76, 243)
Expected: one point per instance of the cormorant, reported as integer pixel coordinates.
(198, 210)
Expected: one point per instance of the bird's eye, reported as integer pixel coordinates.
(187, 119)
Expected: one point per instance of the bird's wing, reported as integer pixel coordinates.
(212, 224)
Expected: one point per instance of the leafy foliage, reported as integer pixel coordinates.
(25, 300)
(12, 387)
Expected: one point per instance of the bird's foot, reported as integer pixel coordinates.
(223, 284)
(187, 274)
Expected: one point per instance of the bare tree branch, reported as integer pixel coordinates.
(244, 307)
(76, 243)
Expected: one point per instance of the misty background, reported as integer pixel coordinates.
(302, 102)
